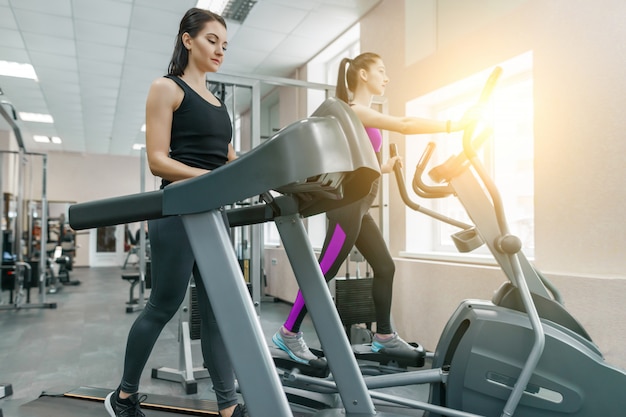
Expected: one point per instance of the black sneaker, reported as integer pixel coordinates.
(124, 408)
(240, 411)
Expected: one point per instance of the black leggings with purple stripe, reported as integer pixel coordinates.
(351, 226)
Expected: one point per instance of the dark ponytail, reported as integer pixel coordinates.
(341, 92)
(192, 22)
(347, 78)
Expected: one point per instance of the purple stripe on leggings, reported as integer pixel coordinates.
(333, 249)
(330, 256)
(298, 305)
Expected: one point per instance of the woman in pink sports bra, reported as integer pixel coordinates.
(352, 225)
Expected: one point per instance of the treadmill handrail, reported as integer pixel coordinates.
(332, 142)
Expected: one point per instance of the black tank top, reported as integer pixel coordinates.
(201, 131)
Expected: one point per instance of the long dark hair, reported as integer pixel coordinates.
(192, 22)
(347, 78)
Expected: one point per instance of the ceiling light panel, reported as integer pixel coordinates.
(36, 117)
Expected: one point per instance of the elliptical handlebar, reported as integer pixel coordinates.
(455, 164)
(397, 169)
(419, 186)
(468, 149)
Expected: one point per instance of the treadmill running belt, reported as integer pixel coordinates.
(88, 401)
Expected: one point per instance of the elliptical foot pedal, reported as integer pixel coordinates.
(416, 358)
(315, 368)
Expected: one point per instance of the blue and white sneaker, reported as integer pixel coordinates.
(394, 346)
(295, 346)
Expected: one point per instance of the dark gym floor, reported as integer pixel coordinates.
(81, 343)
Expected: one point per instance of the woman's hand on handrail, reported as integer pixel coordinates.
(473, 115)
(388, 166)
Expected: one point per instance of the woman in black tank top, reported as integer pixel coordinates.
(188, 133)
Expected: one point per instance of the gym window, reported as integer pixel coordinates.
(508, 156)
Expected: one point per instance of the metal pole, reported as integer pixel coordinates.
(44, 230)
(17, 239)
(256, 236)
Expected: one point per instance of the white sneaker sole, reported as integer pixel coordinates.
(108, 406)
(283, 346)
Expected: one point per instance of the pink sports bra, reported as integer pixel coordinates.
(375, 137)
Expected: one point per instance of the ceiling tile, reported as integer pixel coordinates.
(54, 76)
(13, 54)
(103, 11)
(19, 86)
(298, 47)
(69, 89)
(284, 19)
(155, 20)
(91, 93)
(96, 67)
(7, 21)
(278, 65)
(302, 5)
(178, 6)
(51, 44)
(44, 129)
(41, 59)
(45, 24)
(51, 7)
(333, 26)
(152, 42)
(99, 52)
(249, 38)
(101, 33)
(105, 83)
(11, 38)
(138, 58)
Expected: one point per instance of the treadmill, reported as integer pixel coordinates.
(315, 165)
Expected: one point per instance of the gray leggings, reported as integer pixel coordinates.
(172, 265)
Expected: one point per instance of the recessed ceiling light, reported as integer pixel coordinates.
(216, 6)
(47, 139)
(36, 117)
(236, 10)
(41, 139)
(16, 69)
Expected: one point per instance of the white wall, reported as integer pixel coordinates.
(579, 147)
(84, 177)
